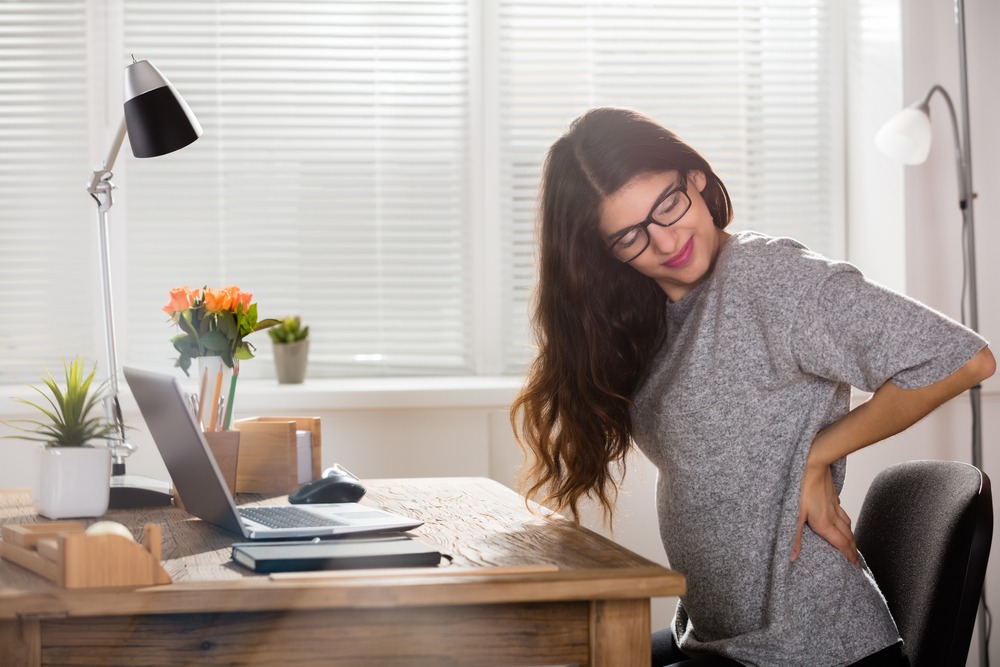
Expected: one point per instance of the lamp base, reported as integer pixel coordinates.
(133, 491)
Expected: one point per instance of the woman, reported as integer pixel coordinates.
(728, 359)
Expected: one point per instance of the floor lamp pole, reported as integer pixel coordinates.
(966, 201)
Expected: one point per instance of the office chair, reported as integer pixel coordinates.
(925, 529)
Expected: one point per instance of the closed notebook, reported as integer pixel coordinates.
(337, 554)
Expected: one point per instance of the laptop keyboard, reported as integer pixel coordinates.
(287, 517)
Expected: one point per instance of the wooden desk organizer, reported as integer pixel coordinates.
(65, 554)
(268, 460)
(225, 448)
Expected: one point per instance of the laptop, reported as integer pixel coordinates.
(197, 478)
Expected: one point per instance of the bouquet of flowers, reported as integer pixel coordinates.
(213, 323)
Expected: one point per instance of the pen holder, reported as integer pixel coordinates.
(225, 448)
(270, 458)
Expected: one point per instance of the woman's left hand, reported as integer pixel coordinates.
(819, 506)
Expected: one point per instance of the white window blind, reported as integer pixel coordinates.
(330, 181)
(48, 225)
(342, 142)
(750, 83)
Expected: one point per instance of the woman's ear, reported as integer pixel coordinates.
(697, 177)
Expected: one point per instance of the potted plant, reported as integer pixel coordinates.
(291, 349)
(74, 475)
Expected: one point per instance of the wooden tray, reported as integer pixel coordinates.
(63, 553)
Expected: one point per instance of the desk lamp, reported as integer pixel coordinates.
(158, 121)
(906, 138)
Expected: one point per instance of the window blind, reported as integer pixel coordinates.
(334, 176)
(750, 83)
(49, 293)
(330, 181)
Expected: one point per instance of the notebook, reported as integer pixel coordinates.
(343, 554)
(198, 480)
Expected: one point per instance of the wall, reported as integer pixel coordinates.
(933, 228)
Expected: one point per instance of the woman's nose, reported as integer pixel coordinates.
(663, 239)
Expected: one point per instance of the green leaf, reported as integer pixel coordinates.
(264, 324)
(228, 326)
(186, 324)
(244, 351)
(215, 342)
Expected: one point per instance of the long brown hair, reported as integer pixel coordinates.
(597, 321)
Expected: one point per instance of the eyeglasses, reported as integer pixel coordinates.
(632, 241)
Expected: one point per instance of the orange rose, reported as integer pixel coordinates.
(238, 297)
(181, 299)
(218, 300)
(243, 299)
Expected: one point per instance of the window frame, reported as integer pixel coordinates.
(484, 223)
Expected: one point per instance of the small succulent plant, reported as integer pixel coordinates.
(68, 420)
(288, 330)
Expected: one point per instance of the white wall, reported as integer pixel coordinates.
(932, 234)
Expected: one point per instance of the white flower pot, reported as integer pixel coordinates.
(73, 482)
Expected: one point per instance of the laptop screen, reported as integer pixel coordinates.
(183, 447)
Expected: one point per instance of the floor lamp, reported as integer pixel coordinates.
(906, 137)
(158, 121)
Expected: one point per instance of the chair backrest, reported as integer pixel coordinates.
(925, 530)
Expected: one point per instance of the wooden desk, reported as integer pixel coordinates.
(593, 610)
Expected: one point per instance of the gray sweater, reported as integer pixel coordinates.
(759, 357)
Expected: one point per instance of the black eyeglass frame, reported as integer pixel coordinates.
(650, 220)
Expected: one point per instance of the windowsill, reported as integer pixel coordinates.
(268, 397)
(379, 393)
(413, 393)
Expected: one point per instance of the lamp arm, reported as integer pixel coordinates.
(964, 179)
(100, 188)
(104, 172)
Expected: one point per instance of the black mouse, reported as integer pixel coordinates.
(334, 488)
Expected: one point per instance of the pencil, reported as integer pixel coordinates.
(232, 390)
(215, 401)
(201, 398)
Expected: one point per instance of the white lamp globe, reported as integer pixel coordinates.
(906, 137)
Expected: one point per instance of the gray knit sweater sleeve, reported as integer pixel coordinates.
(858, 332)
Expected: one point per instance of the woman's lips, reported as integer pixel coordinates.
(681, 258)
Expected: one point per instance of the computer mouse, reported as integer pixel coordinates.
(334, 488)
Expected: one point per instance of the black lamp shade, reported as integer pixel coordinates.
(158, 119)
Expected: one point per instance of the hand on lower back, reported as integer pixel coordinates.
(819, 507)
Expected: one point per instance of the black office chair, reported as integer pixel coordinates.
(925, 529)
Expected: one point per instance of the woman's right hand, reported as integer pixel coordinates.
(819, 507)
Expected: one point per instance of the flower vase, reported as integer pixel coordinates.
(216, 392)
